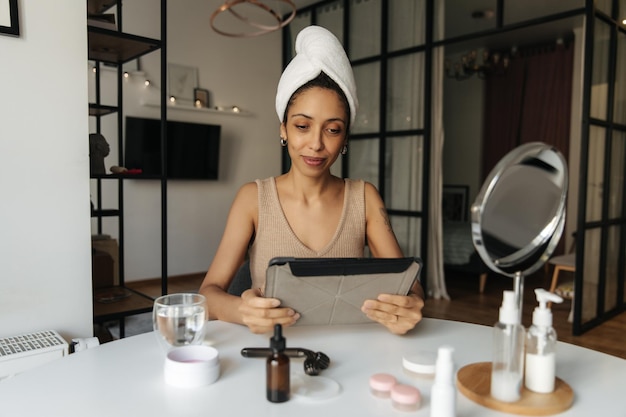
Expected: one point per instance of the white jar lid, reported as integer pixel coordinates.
(422, 362)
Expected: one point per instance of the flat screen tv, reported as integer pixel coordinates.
(192, 148)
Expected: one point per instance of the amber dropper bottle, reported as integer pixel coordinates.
(277, 368)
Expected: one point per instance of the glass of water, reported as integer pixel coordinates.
(179, 319)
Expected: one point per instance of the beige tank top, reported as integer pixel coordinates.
(274, 236)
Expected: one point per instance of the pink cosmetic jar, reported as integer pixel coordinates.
(381, 384)
(405, 397)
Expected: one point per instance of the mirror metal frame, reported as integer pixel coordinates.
(533, 256)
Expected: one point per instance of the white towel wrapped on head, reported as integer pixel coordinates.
(317, 50)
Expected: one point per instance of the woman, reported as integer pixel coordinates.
(307, 212)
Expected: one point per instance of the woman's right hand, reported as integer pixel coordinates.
(260, 314)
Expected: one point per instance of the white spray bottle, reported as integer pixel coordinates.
(443, 394)
(507, 368)
(541, 346)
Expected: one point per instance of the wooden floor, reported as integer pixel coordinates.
(468, 305)
(177, 284)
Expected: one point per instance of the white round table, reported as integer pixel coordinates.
(125, 377)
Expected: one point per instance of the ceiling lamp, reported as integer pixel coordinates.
(258, 28)
(495, 63)
(483, 14)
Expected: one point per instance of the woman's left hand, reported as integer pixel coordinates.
(399, 313)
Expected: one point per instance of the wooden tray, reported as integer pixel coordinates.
(474, 381)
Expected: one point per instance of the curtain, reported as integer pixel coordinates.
(435, 272)
(404, 154)
(531, 102)
(404, 158)
(547, 96)
(503, 99)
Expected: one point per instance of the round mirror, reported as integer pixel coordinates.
(519, 213)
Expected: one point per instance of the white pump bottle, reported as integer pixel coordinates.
(507, 368)
(541, 346)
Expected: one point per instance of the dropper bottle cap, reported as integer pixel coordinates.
(277, 342)
(508, 310)
(542, 315)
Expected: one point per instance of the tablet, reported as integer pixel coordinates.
(332, 290)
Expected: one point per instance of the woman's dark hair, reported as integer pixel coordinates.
(321, 81)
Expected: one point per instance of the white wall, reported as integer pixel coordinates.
(237, 71)
(463, 124)
(45, 269)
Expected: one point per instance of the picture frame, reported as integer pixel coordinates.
(454, 203)
(182, 81)
(9, 18)
(201, 97)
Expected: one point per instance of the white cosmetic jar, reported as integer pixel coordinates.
(420, 364)
(192, 366)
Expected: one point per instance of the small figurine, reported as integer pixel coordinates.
(98, 149)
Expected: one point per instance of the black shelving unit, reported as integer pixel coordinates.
(101, 109)
(114, 47)
(117, 47)
(99, 6)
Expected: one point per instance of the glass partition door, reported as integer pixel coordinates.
(601, 245)
(385, 41)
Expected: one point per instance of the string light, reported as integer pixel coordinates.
(140, 76)
(127, 75)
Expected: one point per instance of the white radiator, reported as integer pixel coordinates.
(26, 351)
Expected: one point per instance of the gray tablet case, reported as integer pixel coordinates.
(332, 290)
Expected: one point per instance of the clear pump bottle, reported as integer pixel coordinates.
(508, 352)
(277, 369)
(541, 346)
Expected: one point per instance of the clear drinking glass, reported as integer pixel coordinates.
(179, 319)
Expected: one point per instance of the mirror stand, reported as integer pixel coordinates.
(518, 288)
(517, 220)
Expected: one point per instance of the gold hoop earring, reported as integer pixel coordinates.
(283, 141)
(344, 150)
